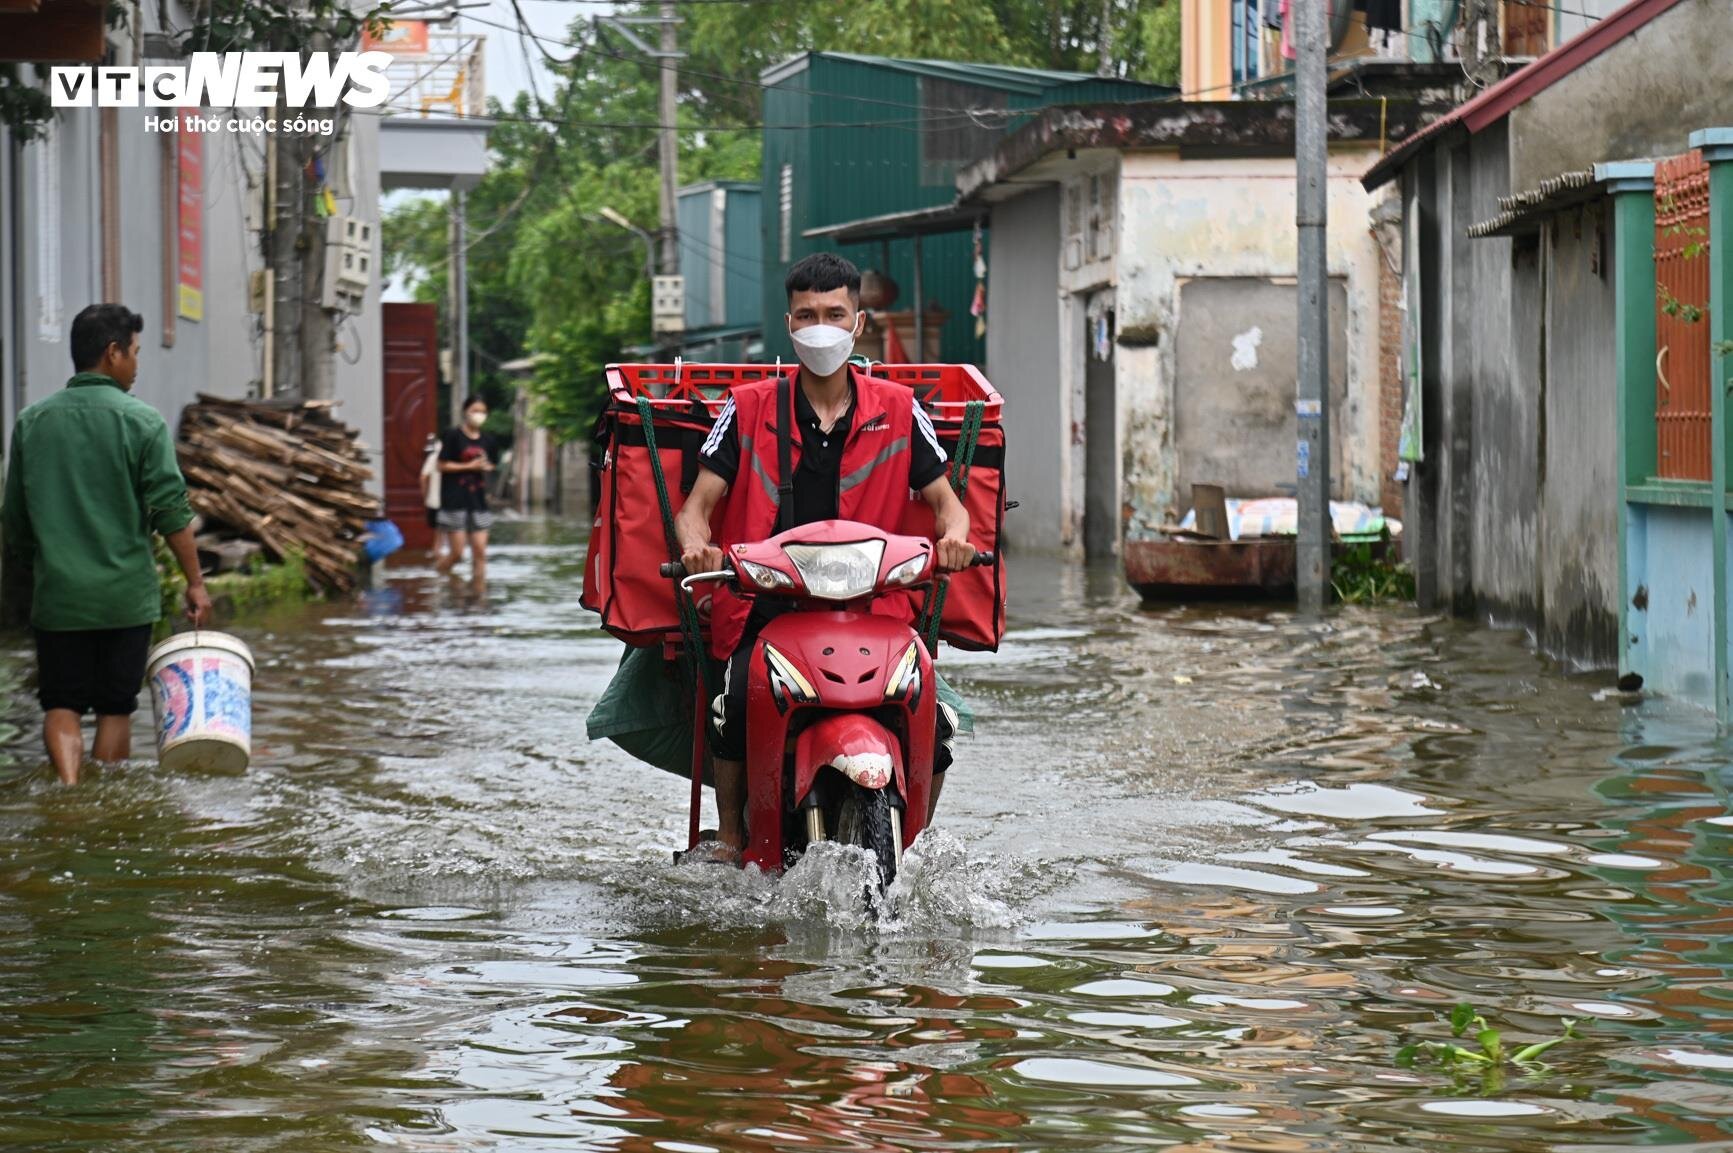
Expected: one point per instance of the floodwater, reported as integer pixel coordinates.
(1197, 879)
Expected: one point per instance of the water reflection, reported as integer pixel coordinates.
(1200, 875)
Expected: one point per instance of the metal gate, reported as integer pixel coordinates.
(411, 358)
(1682, 317)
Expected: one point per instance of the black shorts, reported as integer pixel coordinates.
(97, 671)
(728, 722)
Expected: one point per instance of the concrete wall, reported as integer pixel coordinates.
(1579, 564)
(1500, 365)
(59, 260)
(1229, 217)
(235, 335)
(1672, 612)
(1023, 350)
(360, 368)
(1641, 97)
(1513, 513)
(1236, 348)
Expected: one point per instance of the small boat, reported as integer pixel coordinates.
(1192, 569)
(1256, 559)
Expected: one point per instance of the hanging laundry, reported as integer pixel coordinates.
(1288, 52)
(1271, 13)
(1384, 15)
(978, 306)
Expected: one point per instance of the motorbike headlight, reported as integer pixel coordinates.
(763, 576)
(907, 674)
(909, 571)
(838, 572)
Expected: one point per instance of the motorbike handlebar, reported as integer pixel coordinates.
(676, 569)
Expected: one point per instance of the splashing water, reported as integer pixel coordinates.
(833, 889)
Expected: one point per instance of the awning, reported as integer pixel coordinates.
(696, 337)
(1524, 211)
(899, 225)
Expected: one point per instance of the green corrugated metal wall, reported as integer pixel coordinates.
(740, 254)
(692, 217)
(851, 130)
(742, 228)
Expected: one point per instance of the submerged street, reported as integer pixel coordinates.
(1198, 878)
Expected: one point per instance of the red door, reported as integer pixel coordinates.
(411, 400)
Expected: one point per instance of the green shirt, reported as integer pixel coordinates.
(91, 475)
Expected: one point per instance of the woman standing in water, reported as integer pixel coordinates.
(465, 458)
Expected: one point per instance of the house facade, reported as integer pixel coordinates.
(1558, 485)
(1142, 306)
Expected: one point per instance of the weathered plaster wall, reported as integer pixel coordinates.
(360, 369)
(1236, 346)
(1229, 217)
(1579, 569)
(1676, 603)
(1641, 97)
(219, 354)
(1512, 515)
(1502, 367)
(234, 333)
(1023, 352)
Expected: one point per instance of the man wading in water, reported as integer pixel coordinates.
(91, 475)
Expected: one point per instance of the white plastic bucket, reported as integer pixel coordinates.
(201, 690)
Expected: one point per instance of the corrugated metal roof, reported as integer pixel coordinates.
(1027, 81)
(1520, 211)
(1497, 102)
(933, 221)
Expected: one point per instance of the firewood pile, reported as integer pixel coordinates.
(286, 474)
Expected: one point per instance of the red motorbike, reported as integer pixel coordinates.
(840, 702)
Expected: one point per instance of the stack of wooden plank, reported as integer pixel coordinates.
(287, 474)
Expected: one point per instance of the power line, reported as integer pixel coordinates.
(695, 129)
(598, 50)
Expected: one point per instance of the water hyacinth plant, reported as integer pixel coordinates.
(1490, 1054)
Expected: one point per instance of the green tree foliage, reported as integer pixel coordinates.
(1158, 29)
(549, 275)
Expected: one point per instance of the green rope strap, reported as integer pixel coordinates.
(690, 627)
(933, 611)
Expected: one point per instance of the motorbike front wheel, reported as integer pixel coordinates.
(867, 819)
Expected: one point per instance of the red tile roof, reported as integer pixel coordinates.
(1495, 103)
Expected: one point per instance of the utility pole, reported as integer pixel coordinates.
(1104, 67)
(1312, 396)
(284, 251)
(459, 294)
(666, 53)
(301, 331)
(670, 143)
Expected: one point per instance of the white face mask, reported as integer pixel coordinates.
(823, 348)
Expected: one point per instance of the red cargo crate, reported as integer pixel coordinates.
(627, 543)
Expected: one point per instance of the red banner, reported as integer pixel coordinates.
(191, 278)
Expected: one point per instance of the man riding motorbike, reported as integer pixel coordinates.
(860, 446)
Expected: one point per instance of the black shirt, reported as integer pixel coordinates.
(464, 491)
(818, 476)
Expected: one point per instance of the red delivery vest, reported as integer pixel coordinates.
(873, 489)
